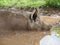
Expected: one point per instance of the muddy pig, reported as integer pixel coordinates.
(13, 21)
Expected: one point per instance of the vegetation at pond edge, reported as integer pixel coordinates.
(29, 3)
(56, 29)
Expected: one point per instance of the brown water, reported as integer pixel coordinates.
(22, 37)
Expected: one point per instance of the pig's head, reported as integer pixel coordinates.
(36, 23)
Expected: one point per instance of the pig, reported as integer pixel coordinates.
(21, 21)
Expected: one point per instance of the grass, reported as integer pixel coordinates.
(8, 3)
(53, 3)
(22, 3)
(30, 3)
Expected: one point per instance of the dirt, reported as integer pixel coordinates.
(22, 37)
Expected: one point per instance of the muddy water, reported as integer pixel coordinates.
(22, 37)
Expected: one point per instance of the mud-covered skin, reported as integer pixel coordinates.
(10, 20)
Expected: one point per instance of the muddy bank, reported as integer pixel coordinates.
(42, 11)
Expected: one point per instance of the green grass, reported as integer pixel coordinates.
(30, 3)
(8, 2)
(22, 3)
(53, 3)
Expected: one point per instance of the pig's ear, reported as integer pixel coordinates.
(31, 14)
(34, 15)
(34, 11)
